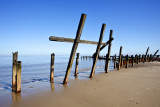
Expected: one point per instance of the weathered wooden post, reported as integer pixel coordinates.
(109, 52)
(154, 55)
(115, 61)
(132, 60)
(137, 58)
(18, 80)
(150, 57)
(143, 58)
(127, 61)
(52, 68)
(14, 72)
(122, 60)
(146, 54)
(120, 52)
(74, 48)
(97, 50)
(76, 67)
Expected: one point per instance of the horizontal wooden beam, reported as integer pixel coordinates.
(62, 39)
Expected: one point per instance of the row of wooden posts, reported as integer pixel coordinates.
(16, 73)
(76, 41)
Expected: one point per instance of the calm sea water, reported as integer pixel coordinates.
(37, 68)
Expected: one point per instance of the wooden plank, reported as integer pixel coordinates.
(97, 50)
(76, 67)
(146, 54)
(109, 52)
(154, 55)
(74, 47)
(14, 72)
(52, 68)
(18, 88)
(62, 39)
(120, 53)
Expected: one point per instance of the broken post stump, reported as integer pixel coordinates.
(18, 79)
(76, 67)
(14, 72)
(52, 68)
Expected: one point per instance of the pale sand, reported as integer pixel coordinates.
(137, 86)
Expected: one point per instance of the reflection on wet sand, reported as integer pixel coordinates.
(16, 97)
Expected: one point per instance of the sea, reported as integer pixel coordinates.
(36, 70)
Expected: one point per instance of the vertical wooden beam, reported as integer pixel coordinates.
(18, 88)
(146, 54)
(115, 61)
(74, 47)
(76, 67)
(14, 72)
(52, 68)
(120, 53)
(109, 52)
(132, 60)
(127, 61)
(154, 55)
(137, 58)
(122, 60)
(143, 58)
(97, 50)
(150, 57)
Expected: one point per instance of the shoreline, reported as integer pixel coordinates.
(135, 86)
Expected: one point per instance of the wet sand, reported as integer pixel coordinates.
(137, 86)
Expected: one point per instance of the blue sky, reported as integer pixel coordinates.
(26, 25)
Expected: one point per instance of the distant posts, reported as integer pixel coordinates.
(137, 58)
(76, 67)
(120, 53)
(109, 52)
(132, 60)
(52, 68)
(97, 50)
(127, 61)
(115, 61)
(18, 82)
(14, 72)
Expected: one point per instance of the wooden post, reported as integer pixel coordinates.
(132, 60)
(154, 55)
(14, 72)
(122, 60)
(137, 58)
(120, 53)
(143, 58)
(18, 88)
(146, 54)
(97, 50)
(74, 48)
(150, 57)
(115, 61)
(52, 68)
(127, 61)
(109, 52)
(76, 67)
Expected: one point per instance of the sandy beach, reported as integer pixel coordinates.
(137, 86)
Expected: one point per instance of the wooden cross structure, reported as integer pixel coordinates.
(77, 40)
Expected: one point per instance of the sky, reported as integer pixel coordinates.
(26, 25)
